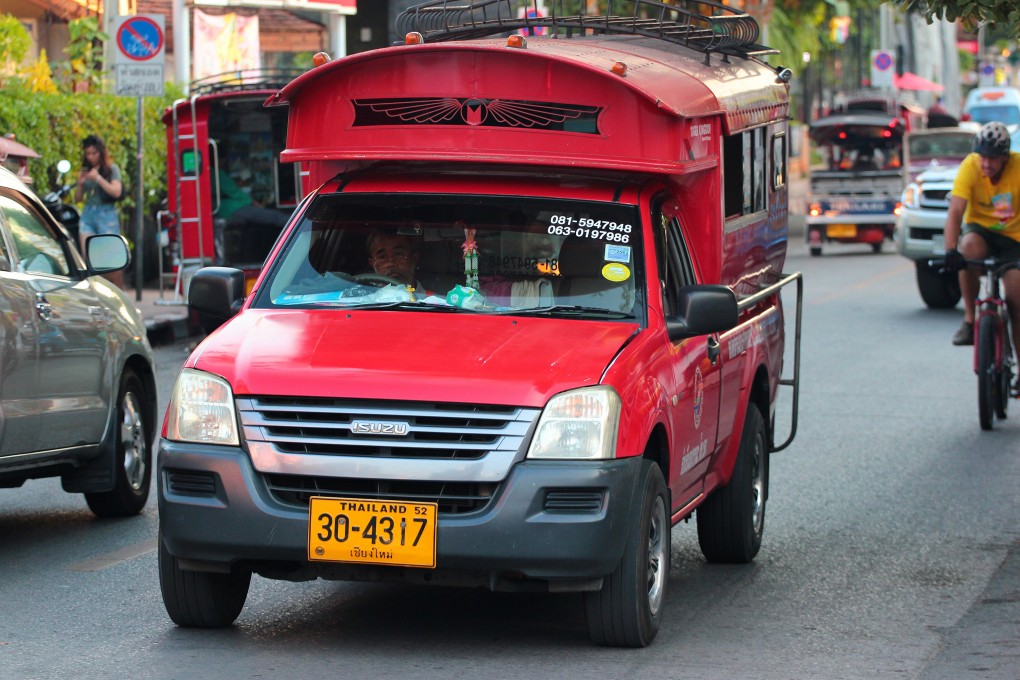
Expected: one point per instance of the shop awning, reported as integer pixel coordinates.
(912, 81)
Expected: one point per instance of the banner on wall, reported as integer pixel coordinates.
(224, 43)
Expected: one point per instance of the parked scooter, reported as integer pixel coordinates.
(55, 202)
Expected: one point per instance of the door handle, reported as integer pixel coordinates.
(714, 348)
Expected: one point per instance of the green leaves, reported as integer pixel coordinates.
(1003, 13)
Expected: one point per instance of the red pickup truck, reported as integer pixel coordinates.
(529, 319)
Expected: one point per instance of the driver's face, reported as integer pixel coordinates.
(395, 256)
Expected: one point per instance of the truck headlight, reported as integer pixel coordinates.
(911, 195)
(579, 424)
(202, 410)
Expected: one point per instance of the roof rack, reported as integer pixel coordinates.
(246, 79)
(725, 31)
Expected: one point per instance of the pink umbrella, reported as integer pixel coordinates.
(912, 81)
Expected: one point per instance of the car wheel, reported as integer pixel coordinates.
(627, 610)
(133, 455)
(938, 291)
(732, 520)
(816, 251)
(876, 247)
(198, 599)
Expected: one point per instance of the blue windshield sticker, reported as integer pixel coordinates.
(617, 253)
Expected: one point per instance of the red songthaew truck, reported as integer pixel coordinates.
(528, 320)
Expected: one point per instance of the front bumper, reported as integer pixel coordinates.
(919, 233)
(559, 523)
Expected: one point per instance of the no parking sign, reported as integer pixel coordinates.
(883, 67)
(140, 55)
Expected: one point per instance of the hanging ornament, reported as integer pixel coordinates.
(470, 249)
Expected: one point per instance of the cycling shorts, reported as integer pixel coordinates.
(999, 245)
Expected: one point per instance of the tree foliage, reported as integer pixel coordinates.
(1000, 12)
(14, 43)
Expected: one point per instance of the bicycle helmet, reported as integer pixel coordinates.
(992, 140)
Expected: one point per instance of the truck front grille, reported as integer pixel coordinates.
(337, 427)
(452, 497)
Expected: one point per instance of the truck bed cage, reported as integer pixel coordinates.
(726, 31)
(246, 79)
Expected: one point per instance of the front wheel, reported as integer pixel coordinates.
(627, 610)
(133, 464)
(938, 290)
(987, 382)
(732, 520)
(197, 599)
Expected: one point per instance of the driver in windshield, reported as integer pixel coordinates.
(394, 255)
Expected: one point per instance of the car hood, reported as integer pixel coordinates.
(938, 174)
(420, 356)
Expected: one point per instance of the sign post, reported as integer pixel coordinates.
(140, 58)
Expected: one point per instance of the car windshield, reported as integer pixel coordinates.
(461, 253)
(943, 145)
(1007, 114)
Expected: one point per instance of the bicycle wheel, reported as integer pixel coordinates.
(1005, 374)
(987, 383)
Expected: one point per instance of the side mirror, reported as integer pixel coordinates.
(703, 309)
(106, 253)
(217, 293)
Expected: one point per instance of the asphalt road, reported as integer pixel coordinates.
(891, 548)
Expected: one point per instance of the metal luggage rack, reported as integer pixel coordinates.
(725, 31)
(246, 79)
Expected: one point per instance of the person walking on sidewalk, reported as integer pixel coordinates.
(983, 221)
(100, 184)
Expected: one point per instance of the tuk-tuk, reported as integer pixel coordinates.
(14, 156)
(856, 198)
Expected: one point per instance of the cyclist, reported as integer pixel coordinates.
(984, 220)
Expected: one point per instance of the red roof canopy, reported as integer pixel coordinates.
(912, 81)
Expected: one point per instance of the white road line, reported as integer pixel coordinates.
(115, 557)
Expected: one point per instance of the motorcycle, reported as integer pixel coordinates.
(61, 209)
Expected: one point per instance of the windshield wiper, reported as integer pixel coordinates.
(415, 305)
(569, 310)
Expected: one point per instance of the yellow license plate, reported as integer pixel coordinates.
(841, 231)
(395, 533)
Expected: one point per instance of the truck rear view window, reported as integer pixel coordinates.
(455, 253)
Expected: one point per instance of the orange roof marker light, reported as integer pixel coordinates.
(620, 69)
(414, 38)
(517, 41)
(319, 59)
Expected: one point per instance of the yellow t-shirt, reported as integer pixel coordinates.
(996, 207)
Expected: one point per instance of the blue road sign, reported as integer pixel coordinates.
(883, 61)
(140, 38)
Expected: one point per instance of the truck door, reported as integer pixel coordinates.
(696, 366)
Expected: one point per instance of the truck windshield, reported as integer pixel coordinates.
(457, 253)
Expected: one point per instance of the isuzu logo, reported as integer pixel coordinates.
(391, 429)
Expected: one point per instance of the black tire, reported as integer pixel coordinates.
(197, 599)
(938, 291)
(732, 520)
(1005, 377)
(816, 251)
(987, 382)
(627, 611)
(133, 454)
(876, 247)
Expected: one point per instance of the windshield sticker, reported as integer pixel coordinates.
(616, 272)
(617, 253)
(586, 227)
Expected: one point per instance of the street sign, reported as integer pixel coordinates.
(140, 55)
(883, 68)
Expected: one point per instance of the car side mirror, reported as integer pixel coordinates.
(107, 253)
(703, 309)
(217, 292)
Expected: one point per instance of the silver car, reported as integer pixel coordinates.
(77, 387)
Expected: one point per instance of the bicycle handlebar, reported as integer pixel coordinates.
(998, 265)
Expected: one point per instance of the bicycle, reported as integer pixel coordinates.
(993, 350)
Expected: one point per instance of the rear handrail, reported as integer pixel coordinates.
(722, 29)
(750, 301)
